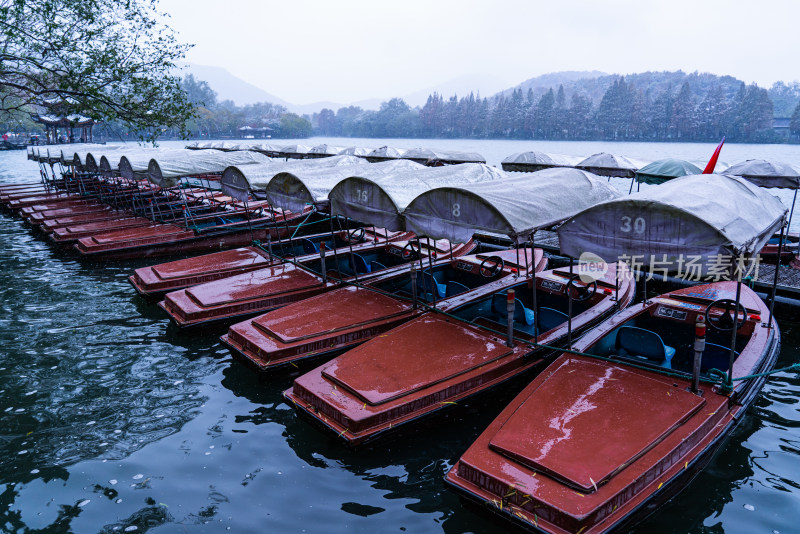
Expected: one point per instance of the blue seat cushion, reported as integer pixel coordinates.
(376, 266)
(454, 288)
(427, 283)
(521, 313)
(309, 247)
(344, 265)
(550, 318)
(644, 344)
(359, 263)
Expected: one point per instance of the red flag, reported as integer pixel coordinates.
(713, 161)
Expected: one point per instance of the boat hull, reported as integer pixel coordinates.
(263, 290)
(550, 489)
(460, 360)
(170, 244)
(349, 316)
(49, 225)
(157, 280)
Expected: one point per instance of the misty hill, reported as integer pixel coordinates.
(594, 85)
(591, 84)
(229, 87)
(572, 80)
(484, 85)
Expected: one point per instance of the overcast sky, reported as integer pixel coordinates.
(344, 51)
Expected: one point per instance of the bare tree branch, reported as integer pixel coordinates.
(107, 59)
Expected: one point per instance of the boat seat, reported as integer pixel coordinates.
(344, 266)
(359, 263)
(309, 247)
(522, 314)
(454, 288)
(639, 343)
(550, 318)
(716, 357)
(426, 283)
(222, 220)
(376, 266)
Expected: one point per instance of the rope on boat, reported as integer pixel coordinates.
(304, 223)
(723, 376)
(793, 367)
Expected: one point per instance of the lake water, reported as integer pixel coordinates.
(111, 419)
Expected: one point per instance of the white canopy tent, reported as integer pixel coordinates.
(93, 157)
(294, 151)
(533, 161)
(73, 154)
(381, 200)
(238, 180)
(515, 206)
(606, 164)
(385, 153)
(426, 155)
(354, 151)
(109, 162)
(324, 151)
(293, 189)
(270, 149)
(167, 171)
(699, 216)
(767, 173)
(133, 164)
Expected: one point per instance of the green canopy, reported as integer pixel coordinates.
(662, 170)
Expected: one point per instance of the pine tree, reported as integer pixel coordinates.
(681, 122)
(559, 114)
(543, 116)
(579, 118)
(794, 123)
(661, 114)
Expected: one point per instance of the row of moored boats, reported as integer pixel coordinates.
(370, 273)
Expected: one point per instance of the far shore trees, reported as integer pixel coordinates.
(112, 61)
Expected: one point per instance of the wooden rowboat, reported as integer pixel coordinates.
(346, 317)
(593, 444)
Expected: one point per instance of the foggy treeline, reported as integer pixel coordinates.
(640, 107)
(623, 113)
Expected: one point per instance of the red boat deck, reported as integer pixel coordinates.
(74, 220)
(348, 316)
(590, 402)
(352, 306)
(429, 362)
(17, 202)
(590, 444)
(43, 209)
(173, 240)
(566, 497)
(140, 234)
(282, 279)
(178, 274)
(68, 234)
(260, 289)
(225, 299)
(40, 217)
(457, 350)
